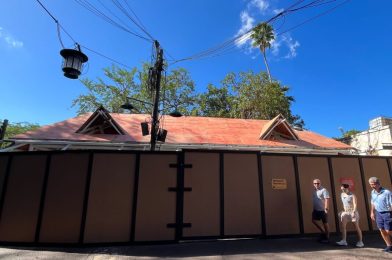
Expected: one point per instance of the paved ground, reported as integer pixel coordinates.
(293, 248)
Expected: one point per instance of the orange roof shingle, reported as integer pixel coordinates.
(183, 130)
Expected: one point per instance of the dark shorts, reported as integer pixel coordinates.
(384, 220)
(320, 215)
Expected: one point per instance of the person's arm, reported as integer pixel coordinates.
(372, 212)
(326, 205)
(355, 202)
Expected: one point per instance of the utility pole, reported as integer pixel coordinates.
(158, 67)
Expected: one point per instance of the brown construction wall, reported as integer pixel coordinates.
(3, 168)
(156, 206)
(22, 198)
(63, 205)
(280, 202)
(310, 168)
(108, 197)
(348, 170)
(375, 167)
(202, 204)
(109, 212)
(242, 215)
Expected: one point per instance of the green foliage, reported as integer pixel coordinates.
(249, 96)
(351, 132)
(246, 95)
(346, 136)
(263, 35)
(216, 102)
(177, 91)
(15, 129)
(18, 128)
(111, 95)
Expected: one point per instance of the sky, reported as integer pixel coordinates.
(337, 65)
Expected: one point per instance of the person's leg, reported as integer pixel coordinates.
(315, 218)
(386, 237)
(344, 229)
(383, 225)
(325, 223)
(357, 227)
(326, 227)
(343, 242)
(315, 222)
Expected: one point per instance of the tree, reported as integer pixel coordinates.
(177, 90)
(17, 128)
(346, 136)
(263, 35)
(249, 96)
(216, 102)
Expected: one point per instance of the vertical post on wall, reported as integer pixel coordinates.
(332, 181)
(299, 201)
(158, 67)
(43, 196)
(222, 194)
(365, 192)
(135, 193)
(389, 168)
(261, 190)
(86, 195)
(180, 196)
(5, 184)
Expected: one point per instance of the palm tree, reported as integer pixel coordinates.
(263, 35)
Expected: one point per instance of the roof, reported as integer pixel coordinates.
(183, 130)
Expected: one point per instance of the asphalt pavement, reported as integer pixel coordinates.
(287, 248)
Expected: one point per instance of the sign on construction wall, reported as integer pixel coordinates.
(279, 184)
(349, 181)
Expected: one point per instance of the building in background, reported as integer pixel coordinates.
(112, 131)
(377, 140)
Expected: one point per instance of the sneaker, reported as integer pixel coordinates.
(342, 243)
(359, 244)
(388, 249)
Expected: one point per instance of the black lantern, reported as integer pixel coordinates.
(73, 61)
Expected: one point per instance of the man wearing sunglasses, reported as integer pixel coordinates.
(320, 210)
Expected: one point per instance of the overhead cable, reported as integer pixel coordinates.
(59, 26)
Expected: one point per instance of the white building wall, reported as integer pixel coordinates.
(370, 142)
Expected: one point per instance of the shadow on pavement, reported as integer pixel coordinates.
(305, 247)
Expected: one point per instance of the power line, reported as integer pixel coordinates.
(106, 57)
(314, 17)
(125, 12)
(231, 43)
(90, 7)
(59, 26)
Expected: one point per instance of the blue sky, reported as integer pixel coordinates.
(337, 66)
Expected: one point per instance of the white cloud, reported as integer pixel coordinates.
(292, 46)
(262, 5)
(9, 40)
(283, 46)
(275, 46)
(247, 23)
(277, 11)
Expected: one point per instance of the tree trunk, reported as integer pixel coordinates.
(266, 65)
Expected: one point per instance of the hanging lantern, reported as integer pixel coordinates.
(73, 61)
